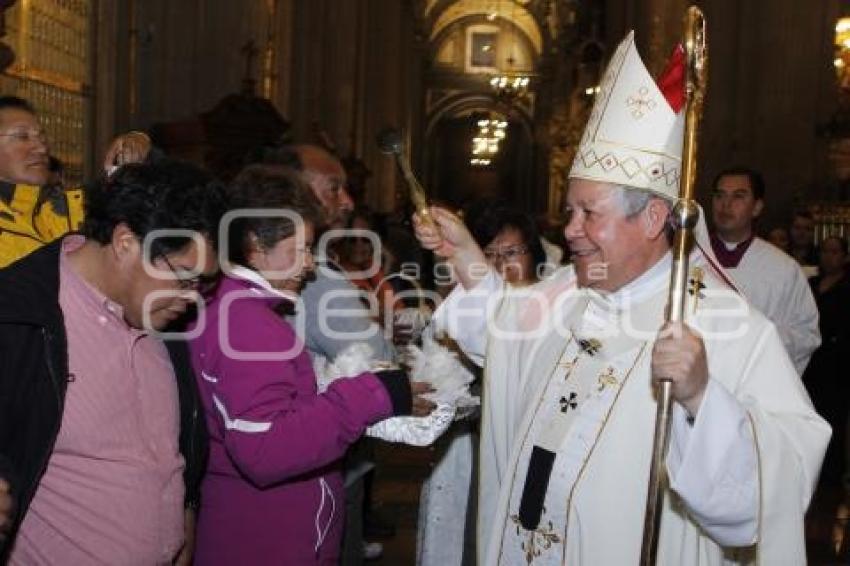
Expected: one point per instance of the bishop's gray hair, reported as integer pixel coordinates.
(633, 201)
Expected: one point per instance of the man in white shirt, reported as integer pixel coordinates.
(568, 408)
(770, 279)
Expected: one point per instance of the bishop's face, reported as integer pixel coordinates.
(608, 249)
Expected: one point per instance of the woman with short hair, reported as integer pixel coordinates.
(273, 493)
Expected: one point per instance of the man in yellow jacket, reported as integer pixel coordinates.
(32, 213)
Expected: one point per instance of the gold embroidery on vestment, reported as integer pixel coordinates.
(606, 378)
(695, 286)
(539, 540)
(590, 346)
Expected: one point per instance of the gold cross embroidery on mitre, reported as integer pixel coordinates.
(640, 104)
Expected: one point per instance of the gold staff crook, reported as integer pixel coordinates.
(685, 215)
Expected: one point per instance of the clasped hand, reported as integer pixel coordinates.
(679, 356)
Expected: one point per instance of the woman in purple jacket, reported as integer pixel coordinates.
(273, 493)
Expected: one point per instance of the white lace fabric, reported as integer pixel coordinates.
(434, 364)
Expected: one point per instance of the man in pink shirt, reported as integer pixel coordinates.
(96, 434)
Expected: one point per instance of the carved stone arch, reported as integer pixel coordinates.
(526, 20)
(523, 156)
(434, 12)
(461, 102)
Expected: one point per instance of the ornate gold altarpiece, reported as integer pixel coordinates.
(51, 69)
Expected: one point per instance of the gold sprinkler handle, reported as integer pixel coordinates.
(417, 193)
(390, 142)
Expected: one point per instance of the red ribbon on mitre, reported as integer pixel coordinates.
(672, 79)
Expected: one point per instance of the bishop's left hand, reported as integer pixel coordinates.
(679, 355)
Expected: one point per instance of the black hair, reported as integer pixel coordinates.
(17, 103)
(167, 195)
(480, 216)
(267, 187)
(756, 180)
(486, 218)
(376, 223)
(283, 155)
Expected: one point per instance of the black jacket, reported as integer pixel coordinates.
(34, 378)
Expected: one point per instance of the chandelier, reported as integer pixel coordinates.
(510, 88)
(485, 144)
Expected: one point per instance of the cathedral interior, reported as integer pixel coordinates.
(490, 98)
(213, 80)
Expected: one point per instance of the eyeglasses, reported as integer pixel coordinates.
(27, 136)
(202, 284)
(506, 254)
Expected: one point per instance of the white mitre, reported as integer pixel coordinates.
(633, 136)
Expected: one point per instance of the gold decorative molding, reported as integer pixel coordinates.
(52, 44)
(48, 78)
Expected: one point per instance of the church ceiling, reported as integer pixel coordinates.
(443, 13)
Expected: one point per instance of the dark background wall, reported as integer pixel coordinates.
(348, 68)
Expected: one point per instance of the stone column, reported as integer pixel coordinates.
(7, 55)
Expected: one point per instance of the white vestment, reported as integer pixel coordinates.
(741, 475)
(775, 284)
(443, 502)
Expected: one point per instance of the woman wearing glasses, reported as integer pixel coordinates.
(273, 493)
(510, 241)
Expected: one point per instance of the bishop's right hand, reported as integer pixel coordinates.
(446, 236)
(451, 239)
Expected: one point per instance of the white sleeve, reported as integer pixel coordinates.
(797, 321)
(713, 466)
(463, 316)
